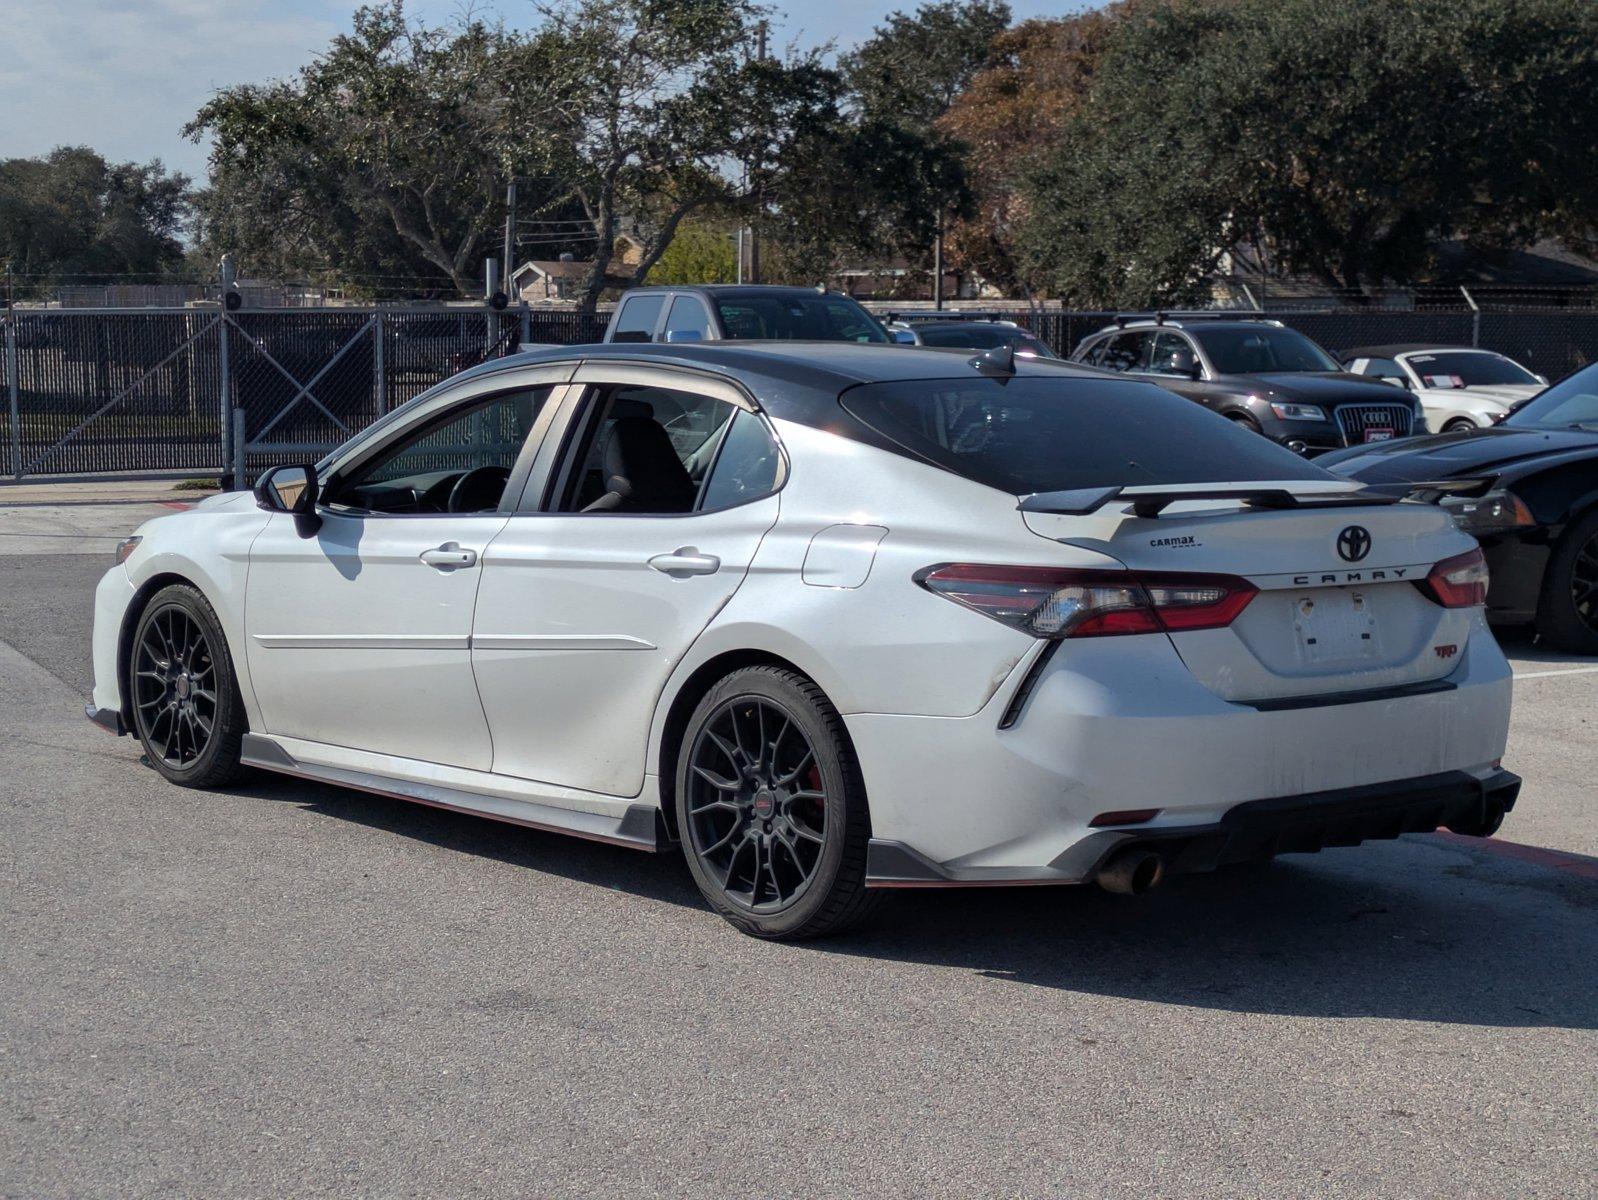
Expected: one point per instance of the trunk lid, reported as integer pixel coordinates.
(1321, 624)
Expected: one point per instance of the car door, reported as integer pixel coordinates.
(650, 509)
(357, 632)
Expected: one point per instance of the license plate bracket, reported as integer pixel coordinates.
(1335, 626)
(1380, 435)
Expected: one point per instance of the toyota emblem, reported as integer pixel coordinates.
(1354, 543)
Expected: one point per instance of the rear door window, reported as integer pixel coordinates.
(636, 319)
(688, 320)
(1026, 435)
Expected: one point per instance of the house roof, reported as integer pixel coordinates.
(553, 269)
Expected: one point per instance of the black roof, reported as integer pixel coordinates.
(735, 290)
(1397, 348)
(799, 381)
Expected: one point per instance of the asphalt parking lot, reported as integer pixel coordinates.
(294, 990)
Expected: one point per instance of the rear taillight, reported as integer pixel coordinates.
(1049, 602)
(1458, 582)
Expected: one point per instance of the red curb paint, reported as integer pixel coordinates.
(179, 504)
(1555, 860)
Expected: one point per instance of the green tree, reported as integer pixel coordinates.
(700, 253)
(71, 214)
(1341, 140)
(389, 154)
(676, 117)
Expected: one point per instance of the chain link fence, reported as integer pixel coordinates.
(202, 390)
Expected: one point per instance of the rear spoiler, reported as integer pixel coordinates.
(1151, 501)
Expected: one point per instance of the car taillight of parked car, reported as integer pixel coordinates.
(1458, 582)
(1049, 602)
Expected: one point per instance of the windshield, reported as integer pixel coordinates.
(986, 337)
(1570, 404)
(1252, 350)
(1459, 369)
(797, 317)
(1038, 434)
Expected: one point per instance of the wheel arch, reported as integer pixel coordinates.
(142, 595)
(672, 719)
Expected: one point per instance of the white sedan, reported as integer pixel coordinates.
(830, 618)
(1459, 387)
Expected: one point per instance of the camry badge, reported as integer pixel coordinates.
(1354, 543)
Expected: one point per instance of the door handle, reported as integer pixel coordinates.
(685, 561)
(449, 557)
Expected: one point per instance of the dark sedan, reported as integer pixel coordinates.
(1538, 522)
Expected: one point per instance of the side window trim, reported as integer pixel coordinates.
(442, 408)
(571, 411)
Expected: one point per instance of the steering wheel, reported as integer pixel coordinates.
(478, 490)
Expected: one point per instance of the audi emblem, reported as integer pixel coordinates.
(1354, 543)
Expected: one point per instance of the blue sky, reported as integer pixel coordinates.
(124, 75)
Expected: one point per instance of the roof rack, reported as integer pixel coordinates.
(1178, 317)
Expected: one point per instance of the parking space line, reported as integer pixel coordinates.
(1556, 860)
(1545, 674)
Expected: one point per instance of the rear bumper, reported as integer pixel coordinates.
(1248, 832)
(1118, 724)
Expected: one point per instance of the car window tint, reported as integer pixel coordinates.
(636, 319)
(687, 315)
(645, 450)
(746, 467)
(1126, 351)
(1172, 356)
(416, 472)
(1027, 435)
(797, 317)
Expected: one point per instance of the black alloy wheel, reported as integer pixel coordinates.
(1567, 614)
(756, 804)
(771, 808)
(186, 707)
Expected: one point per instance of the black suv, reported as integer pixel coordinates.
(714, 312)
(1272, 379)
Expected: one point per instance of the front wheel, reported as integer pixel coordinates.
(771, 807)
(187, 711)
(1567, 613)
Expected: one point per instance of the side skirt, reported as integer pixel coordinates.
(639, 827)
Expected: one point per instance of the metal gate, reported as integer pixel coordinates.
(93, 391)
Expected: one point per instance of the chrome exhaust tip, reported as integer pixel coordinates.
(1132, 873)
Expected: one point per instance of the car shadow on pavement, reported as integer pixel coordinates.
(1407, 930)
(1390, 930)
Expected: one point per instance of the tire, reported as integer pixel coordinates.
(191, 733)
(1567, 611)
(1458, 425)
(1246, 421)
(748, 801)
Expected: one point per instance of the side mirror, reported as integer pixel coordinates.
(287, 489)
(684, 335)
(1542, 379)
(903, 337)
(292, 490)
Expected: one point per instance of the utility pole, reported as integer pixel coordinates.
(760, 195)
(510, 235)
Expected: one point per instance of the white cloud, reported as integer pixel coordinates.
(124, 75)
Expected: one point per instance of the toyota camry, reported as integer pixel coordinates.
(829, 618)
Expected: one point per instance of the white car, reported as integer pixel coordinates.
(1459, 387)
(832, 618)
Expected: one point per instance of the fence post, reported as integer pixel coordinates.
(1475, 317)
(527, 325)
(225, 401)
(13, 398)
(379, 370)
(239, 481)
